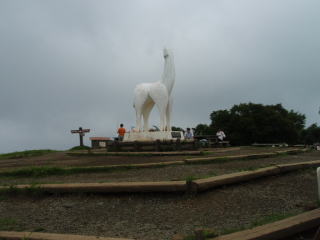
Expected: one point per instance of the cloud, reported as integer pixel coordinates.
(65, 64)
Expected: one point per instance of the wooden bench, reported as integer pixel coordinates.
(100, 142)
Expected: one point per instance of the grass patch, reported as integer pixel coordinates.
(260, 221)
(196, 177)
(207, 153)
(211, 233)
(36, 172)
(8, 224)
(28, 153)
(189, 179)
(246, 157)
(78, 148)
(34, 191)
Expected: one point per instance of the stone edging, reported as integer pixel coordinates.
(277, 230)
(167, 186)
(50, 236)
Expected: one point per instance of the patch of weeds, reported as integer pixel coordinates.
(7, 224)
(254, 168)
(283, 154)
(271, 218)
(206, 153)
(11, 190)
(34, 190)
(231, 230)
(189, 179)
(39, 229)
(209, 175)
(206, 234)
(258, 222)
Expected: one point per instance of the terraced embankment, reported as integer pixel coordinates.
(156, 216)
(160, 216)
(179, 171)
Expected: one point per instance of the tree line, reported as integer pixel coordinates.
(249, 123)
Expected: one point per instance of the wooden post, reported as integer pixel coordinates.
(81, 132)
(81, 136)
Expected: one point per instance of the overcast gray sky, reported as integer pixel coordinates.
(71, 63)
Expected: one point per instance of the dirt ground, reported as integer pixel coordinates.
(160, 216)
(61, 159)
(175, 172)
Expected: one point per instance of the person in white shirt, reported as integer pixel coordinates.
(188, 134)
(220, 135)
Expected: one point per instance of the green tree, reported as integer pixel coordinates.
(311, 134)
(203, 129)
(247, 123)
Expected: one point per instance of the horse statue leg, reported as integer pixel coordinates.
(140, 99)
(159, 94)
(146, 113)
(138, 119)
(168, 114)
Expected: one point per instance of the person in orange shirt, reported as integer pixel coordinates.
(121, 132)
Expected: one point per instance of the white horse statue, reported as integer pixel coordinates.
(146, 95)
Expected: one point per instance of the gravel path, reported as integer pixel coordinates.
(179, 172)
(160, 216)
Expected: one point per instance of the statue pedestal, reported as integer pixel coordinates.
(152, 136)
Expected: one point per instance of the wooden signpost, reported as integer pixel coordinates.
(81, 133)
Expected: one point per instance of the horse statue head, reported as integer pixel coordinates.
(166, 53)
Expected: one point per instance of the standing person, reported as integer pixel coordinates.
(121, 132)
(188, 134)
(220, 135)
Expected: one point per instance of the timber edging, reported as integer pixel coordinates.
(92, 153)
(199, 185)
(199, 160)
(278, 230)
(245, 156)
(180, 162)
(50, 236)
